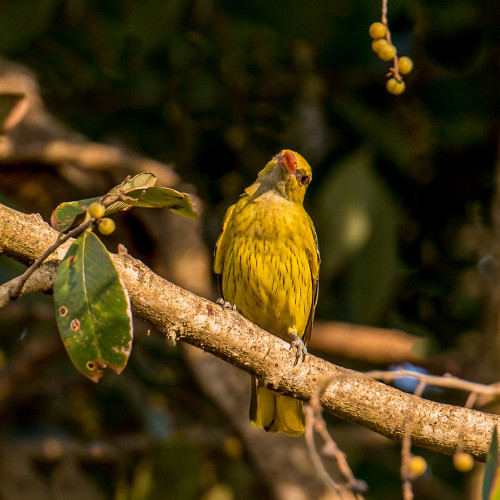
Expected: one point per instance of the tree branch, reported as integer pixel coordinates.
(226, 334)
(40, 280)
(365, 343)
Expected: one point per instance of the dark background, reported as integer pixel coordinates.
(402, 199)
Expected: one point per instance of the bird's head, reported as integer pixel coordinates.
(288, 173)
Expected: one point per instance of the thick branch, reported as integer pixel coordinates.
(364, 343)
(41, 280)
(226, 334)
(86, 154)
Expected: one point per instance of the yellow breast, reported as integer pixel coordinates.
(266, 270)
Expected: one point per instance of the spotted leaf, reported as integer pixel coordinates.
(69, 214)
(92, 309)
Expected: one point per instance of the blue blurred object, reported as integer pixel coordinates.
(407, 384)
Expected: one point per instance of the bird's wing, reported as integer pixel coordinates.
(314, 262)
(221, 248)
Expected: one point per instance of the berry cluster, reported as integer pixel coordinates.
(106, 226)
(383, 47)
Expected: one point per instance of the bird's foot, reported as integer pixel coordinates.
(226, 305)
(297, 343)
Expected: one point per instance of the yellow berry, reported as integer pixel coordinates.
(378, 30)
(96, 209)
(378, 44)
(405, 65)
(107, 226)
(463, 462)
(417, 465)
(395, 87)
(386, 52)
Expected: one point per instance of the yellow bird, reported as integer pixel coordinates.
(267, 263)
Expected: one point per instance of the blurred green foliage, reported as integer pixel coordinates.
(218, 88)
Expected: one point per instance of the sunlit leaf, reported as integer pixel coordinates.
(92, 309)
(491, 485)
(69, 214)
(144, 179)
(161, 197)
(495, 492)
(140, 181)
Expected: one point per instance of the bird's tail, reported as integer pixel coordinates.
(275, 412)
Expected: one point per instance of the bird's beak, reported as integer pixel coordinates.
(288, 159)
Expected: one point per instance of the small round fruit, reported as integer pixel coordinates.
(405, 65)
(378, 44)
(463, 462)
(96, 209)
(378, 30)
(417, 465)
(395, 87)
(107, 226)
(386, 52)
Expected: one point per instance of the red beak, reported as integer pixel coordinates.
(288, 159)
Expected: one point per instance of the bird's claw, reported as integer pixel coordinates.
(226, 305)
(297, 343)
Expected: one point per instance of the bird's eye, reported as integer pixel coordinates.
(304, 179)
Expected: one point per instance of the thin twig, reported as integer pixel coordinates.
(471, 400)
(384, 13)
(313, 452)
(394, 71)
(446, 381)
(16, 290)
(315, 422)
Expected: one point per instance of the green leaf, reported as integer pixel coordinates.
(161, 197)
(495, 492)
(139, 181)
(144, 179)
(139, 192)
(69, 214)
(358, 219)
(7, 104)
(491, 485)
(92, 309)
